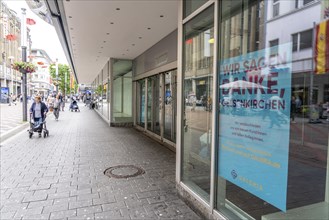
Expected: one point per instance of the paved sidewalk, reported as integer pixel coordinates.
(61, 177)
(10, 116)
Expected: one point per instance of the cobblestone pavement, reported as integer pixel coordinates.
(10, 116)
(61, 177)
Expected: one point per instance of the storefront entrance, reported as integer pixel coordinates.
(156, 105)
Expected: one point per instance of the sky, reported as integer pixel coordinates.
(43, 35)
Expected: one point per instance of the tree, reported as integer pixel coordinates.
(63, 69)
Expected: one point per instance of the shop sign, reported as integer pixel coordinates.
(254, 100)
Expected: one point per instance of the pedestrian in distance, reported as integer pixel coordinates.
(12, 99)
(38, 111)
(57, 106)
(50, 103)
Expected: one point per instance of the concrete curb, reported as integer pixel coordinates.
(14, 131)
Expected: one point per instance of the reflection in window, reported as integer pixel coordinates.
(306, 120)
(141, 103)
(191, 5)
(302, 40)
(197, 120)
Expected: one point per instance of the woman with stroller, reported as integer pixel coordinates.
(38, 111)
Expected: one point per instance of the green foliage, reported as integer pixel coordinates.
(99, 89)
(63, 85)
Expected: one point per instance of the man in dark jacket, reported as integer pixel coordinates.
(38, 111)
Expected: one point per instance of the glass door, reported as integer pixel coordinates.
(170, 105)
(141, 103)
(153, 104)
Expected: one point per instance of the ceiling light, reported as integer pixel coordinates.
(111, 23)
(161, 16)
(148, 28)
(118, 9)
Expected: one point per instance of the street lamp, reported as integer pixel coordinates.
(11, 58)
(23, 46)
(4, 69)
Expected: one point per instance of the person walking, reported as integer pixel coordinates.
(38, 111)
(50, 103)
(57, 106)
(62, 102)
(12, 99)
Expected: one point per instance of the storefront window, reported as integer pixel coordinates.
(273, 122)
(141, 103)
(170, 105)
(191, 5)
(153, 104)
(197, 116)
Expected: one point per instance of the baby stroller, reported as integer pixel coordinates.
(74, 106)
(39, 127)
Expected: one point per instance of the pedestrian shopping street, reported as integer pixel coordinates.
(62, 176)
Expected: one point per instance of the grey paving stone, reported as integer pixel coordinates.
(60, 195)
(55, 208)
(28, 212)
(7, 215)
(79, 204)
(80, 191)
(13, 208)
(110, 215)
(114, 206)
(67, 168)
(63, 214)
(40, 204)
(89, 210)
(65, 200)
(36, 217)
(88, 196)
(39, 187)
(83, 217)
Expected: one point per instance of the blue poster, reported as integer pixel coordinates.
(254, 100)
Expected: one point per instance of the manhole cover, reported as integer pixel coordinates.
(123, 171)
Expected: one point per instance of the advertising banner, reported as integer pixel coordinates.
(254, 100)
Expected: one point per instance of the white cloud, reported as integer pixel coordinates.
(43, 34)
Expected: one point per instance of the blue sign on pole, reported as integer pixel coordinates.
(255, 96)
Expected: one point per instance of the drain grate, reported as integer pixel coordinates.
(123, 171)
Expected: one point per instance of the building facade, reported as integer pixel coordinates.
(232, 90)
(10, 25)
(41, 80)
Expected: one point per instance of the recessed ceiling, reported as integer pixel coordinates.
(123, 33)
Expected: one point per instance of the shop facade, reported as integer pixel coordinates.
(252, 138)
(234, 93)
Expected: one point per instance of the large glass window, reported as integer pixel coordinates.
(170, 105)
(191, 5)
(153, 104)
(197, 87)
(272, 148)
(141, 103)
